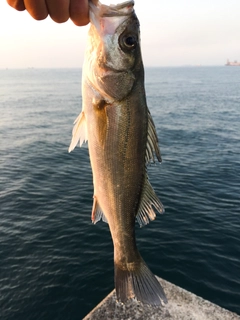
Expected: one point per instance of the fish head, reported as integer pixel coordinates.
(113, 52)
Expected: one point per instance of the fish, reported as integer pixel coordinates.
(122, 140)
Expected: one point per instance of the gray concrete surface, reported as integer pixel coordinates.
(181, 305)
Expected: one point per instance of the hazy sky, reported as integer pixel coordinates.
(173, 33)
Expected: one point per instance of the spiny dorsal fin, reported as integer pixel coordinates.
(152, 142)
(79, 132)
(149, 200)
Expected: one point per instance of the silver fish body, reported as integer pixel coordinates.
(122, 139)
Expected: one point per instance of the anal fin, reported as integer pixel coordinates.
(97, 213)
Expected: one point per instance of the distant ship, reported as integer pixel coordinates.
(234, 63)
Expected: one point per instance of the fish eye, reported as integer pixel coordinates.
(128, 42)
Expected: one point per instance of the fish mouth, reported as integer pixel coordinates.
(122, 9)
(118, 10)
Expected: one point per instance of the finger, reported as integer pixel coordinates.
(79, 12)
(58, 10)
(37, 9)
(17, 4)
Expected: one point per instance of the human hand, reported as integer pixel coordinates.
(59, 10)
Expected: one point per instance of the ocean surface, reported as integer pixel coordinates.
(54, 263)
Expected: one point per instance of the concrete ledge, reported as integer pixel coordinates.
(181, 305)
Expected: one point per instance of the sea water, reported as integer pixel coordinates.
(54, 263)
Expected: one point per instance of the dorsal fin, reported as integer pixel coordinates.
(149, 200)
(152, 148)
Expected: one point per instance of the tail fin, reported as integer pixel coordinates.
(139, 283)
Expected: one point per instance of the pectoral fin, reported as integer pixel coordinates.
(97, 213)
(149, 200)
(79, 132)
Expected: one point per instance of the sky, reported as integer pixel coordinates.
(173, 33)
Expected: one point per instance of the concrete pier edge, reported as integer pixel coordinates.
(182, 304)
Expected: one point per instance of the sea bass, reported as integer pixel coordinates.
(122, 139)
